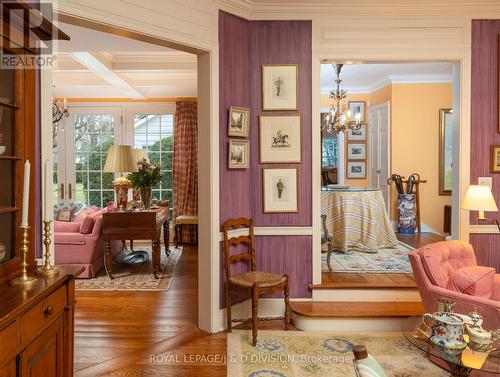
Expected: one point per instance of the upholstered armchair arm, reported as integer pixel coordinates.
(496, 288)
(464, 304)
(66, 227)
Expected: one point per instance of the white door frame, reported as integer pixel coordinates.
(209, 315)
(389, 143)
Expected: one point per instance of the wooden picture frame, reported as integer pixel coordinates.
(356, 151)
(280, 190)
(238, 122)
(280, 89)
(356, 169)
(238, 156)
(280, 139)
(445, 152)
(357, 107)
(495, 159)
(358, 135)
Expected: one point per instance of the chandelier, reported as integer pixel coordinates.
(339, 118)
(59, 110)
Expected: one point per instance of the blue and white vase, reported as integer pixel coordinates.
(406, 213)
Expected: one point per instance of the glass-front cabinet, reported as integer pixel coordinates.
(9, 163)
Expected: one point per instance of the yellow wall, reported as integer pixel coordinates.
(414, 139)
(415, 142)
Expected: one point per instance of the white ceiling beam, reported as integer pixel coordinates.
(101, 66)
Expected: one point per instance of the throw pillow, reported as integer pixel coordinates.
(64, 215)
(473, 280)
(87, 225)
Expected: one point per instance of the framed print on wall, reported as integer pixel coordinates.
(495, 159)
(280, 139)
(356, 107)
(356, 170)
(238, 121)
(239, 154)
(280, 86)
(445, 151)
(357, 135)
(280, 190)
(356, 151)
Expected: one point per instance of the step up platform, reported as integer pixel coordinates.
(351, 316)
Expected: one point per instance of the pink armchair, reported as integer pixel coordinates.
(80, 243)
(447, 269)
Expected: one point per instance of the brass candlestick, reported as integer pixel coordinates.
(47, 269)
(24, 279)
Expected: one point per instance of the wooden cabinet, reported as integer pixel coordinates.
(36, 327)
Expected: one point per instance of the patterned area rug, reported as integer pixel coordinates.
(134, 278)
(309, 354)
(386, 261)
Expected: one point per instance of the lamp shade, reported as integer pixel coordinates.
(479, 198)
(120, 159)
(141, 154)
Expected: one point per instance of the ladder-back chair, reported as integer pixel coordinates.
(254, 282)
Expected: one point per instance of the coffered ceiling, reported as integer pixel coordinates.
(99, 65)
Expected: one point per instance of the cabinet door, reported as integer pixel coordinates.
(44, 357)
(8, 369)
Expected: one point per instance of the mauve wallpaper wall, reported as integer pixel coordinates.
(484, 126)
(243, 47)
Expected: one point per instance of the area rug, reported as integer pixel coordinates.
(386, 261)
(310, 354)
(134, 278)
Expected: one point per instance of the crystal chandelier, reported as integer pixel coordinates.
(59, 110)
(339, 118)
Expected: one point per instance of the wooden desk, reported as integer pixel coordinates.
(135, 226)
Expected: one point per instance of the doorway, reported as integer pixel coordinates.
(380, 145)
(207, 67)
(401, 103)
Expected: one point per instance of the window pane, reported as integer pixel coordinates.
(81, 181)
(94, 180)
(81, 161)
(107, 196)
(166, 161)
(107, 180)
(155, 194)
(166, 181)
(154, 158)
(169, 198)
(95, 198)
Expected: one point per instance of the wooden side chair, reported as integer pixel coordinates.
(254, 282)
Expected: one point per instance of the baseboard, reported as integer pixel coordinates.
(268, 307)
(425, 228)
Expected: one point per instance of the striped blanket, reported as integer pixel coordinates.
(357, 220)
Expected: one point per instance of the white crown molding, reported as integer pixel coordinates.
(396, 79)
(282, 10)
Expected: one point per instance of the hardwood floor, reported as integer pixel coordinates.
(116, 332)
(340, 280)
(121, 333)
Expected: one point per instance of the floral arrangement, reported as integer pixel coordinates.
(147, 175)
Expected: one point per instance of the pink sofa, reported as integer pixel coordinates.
(448, 269)
(80, 242)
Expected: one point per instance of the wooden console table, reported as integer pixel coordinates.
(141, 225)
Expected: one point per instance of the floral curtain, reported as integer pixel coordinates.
(185, 164)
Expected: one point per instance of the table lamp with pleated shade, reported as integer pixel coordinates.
(141, 154)
(121, 159)
(479, 198)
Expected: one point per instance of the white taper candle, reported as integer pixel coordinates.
(46, 191)
(26, 194)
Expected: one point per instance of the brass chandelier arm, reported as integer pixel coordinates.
(338, 119)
